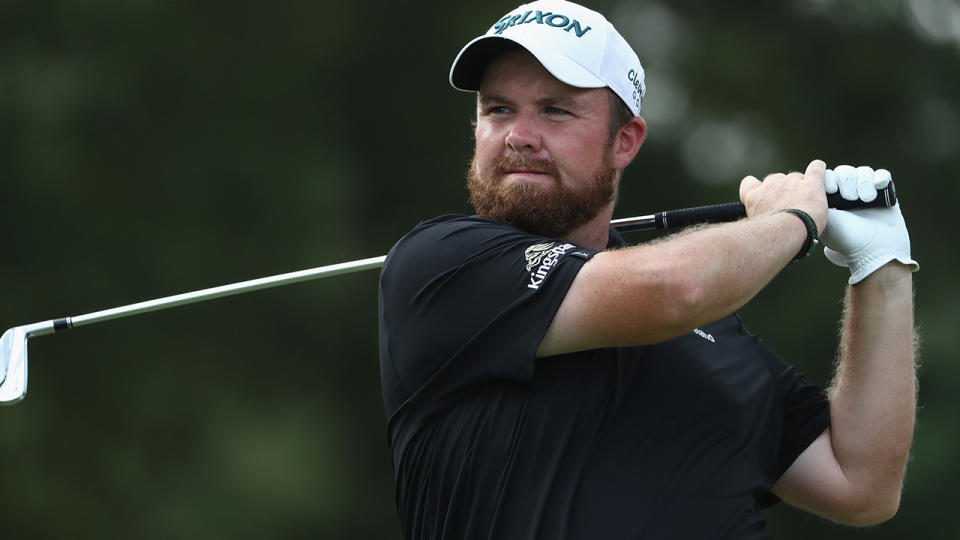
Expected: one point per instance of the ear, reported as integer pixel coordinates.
(627, 142)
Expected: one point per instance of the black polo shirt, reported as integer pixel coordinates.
(681, 439)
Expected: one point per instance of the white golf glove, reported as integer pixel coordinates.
(867, 238)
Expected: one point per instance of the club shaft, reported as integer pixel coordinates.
(290, 278)
(220, 292)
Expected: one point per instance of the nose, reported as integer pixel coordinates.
(523, 136)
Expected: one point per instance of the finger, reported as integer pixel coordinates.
(774, 177)
(815, 171)
(865, 188)
(830, 182)
(847, 180)
(882, 178)
(747, 185)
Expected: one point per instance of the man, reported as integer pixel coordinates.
(543, 381)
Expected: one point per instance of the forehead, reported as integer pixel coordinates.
(520, 71)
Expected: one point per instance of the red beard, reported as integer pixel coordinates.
(552, 211)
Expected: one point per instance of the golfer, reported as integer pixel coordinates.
(544, 380)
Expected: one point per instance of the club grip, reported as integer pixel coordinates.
(885, 197)
(719, 213)
(714, 213)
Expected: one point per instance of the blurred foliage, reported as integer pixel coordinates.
(154, 147)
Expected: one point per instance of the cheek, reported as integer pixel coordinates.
(486, 134)
(488, 146)
(580, 158)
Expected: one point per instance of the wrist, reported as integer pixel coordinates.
(890, 274)
(813, 233)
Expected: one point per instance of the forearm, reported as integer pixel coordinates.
(657, 291)
(873, 396)
(724, 267)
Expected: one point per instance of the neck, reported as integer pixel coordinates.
(594, 233)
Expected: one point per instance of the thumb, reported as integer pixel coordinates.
(835, 257)
(747, 185)
(846, 232)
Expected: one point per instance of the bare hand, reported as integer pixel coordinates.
(804, 191)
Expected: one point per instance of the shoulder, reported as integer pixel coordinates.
(456, 228)
(470, 249)
(454, 239)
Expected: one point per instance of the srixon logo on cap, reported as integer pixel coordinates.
(555, 20)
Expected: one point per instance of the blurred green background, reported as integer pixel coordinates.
(152, 147)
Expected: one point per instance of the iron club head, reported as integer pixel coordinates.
(13, 365)
(13, 359)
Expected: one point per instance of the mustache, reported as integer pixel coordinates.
(503, 164)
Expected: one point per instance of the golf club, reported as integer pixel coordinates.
(13, 343)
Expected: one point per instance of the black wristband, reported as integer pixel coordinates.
(813, 236)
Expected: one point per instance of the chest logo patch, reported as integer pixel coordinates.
(534, 254)
(541, 258)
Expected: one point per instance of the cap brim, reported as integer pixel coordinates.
(468, 68)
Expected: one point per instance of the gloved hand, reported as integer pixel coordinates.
(868, 238)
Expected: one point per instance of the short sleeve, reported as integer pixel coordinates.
(464, 300)
(803, 411)
(806, 414)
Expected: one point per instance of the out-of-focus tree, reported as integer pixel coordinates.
(154, 147)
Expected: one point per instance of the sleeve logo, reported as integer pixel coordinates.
(541, 258)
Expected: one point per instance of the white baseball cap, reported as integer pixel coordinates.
(576, 45)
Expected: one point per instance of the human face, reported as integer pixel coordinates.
(543, 159)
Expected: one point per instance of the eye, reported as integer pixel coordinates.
(497, 109)
(556, 111)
